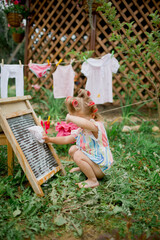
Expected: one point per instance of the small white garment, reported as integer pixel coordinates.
(99, 77)
(12, 71)
(63, 81)
(37, 133)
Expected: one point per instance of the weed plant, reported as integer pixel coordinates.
(50, 106)
(125, 205)
(130, 111)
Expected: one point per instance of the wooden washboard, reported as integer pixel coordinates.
(38, 161)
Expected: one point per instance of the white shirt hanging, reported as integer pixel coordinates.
(63, 81)
(99, 77)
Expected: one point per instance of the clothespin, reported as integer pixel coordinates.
(58, 62)
(48, 120)
(72, 61)
(39, 119)
(112, 53)
(84, 58)
(2, 62)
(20, 63)
(30, 62)
(48, 61)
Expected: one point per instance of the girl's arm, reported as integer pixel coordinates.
(59, 140)
(82, 123)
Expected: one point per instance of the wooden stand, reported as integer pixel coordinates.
(4, 141)
(39, 162)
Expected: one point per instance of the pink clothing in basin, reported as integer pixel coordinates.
(63, 81)
(64, 129)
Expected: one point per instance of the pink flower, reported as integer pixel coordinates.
(36, 87)
(45, 125)
(42, 124)
(9, 25)
(16, 2)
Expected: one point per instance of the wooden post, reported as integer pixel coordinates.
(158, 109)
(26, 43)
(93, 33)
(10, 158)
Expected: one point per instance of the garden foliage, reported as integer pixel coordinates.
(126, 202)
(141, 53)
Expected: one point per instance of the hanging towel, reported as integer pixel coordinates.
(39, 69)
(12, 71)
(63, 81)
(99, 77)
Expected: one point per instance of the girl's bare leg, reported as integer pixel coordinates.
(75, 169)
(89, 168)
(72, 150)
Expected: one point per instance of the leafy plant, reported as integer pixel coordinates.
(128, 110)
(135, 50)
(6, 42)
(14, 6)
(124, 206)
(50, 106)
(81, 56)
(17, 30)
(110, 13)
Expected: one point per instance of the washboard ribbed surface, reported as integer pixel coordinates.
(38, 155)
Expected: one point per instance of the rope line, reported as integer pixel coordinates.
(70, 62)
(73, 60)
(113, 109)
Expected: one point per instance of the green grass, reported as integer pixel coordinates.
(126, 204)
(50, 106)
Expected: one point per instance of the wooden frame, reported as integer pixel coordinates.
(4, 141)
(18, 106)
(64, 25)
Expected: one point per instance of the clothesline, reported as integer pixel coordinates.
(113, 109)
(70, 62)
(57, 62)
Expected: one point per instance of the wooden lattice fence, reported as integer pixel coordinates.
(58, 26)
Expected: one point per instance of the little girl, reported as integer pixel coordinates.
(91, 152)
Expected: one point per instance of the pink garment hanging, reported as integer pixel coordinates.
(63, 81)
(39, 69)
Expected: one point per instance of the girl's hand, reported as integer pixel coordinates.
(46, 138)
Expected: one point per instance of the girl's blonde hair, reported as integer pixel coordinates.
(83, 103)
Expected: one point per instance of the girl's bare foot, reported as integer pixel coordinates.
(76, 169)
(88, 184)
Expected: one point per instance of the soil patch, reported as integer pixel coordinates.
(89, 233)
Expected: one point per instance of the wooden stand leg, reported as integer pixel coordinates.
(10, 158)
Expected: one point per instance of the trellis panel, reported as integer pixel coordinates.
(59, 26)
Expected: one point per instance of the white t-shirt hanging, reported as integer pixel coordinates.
(99, 77)
(63, 81)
